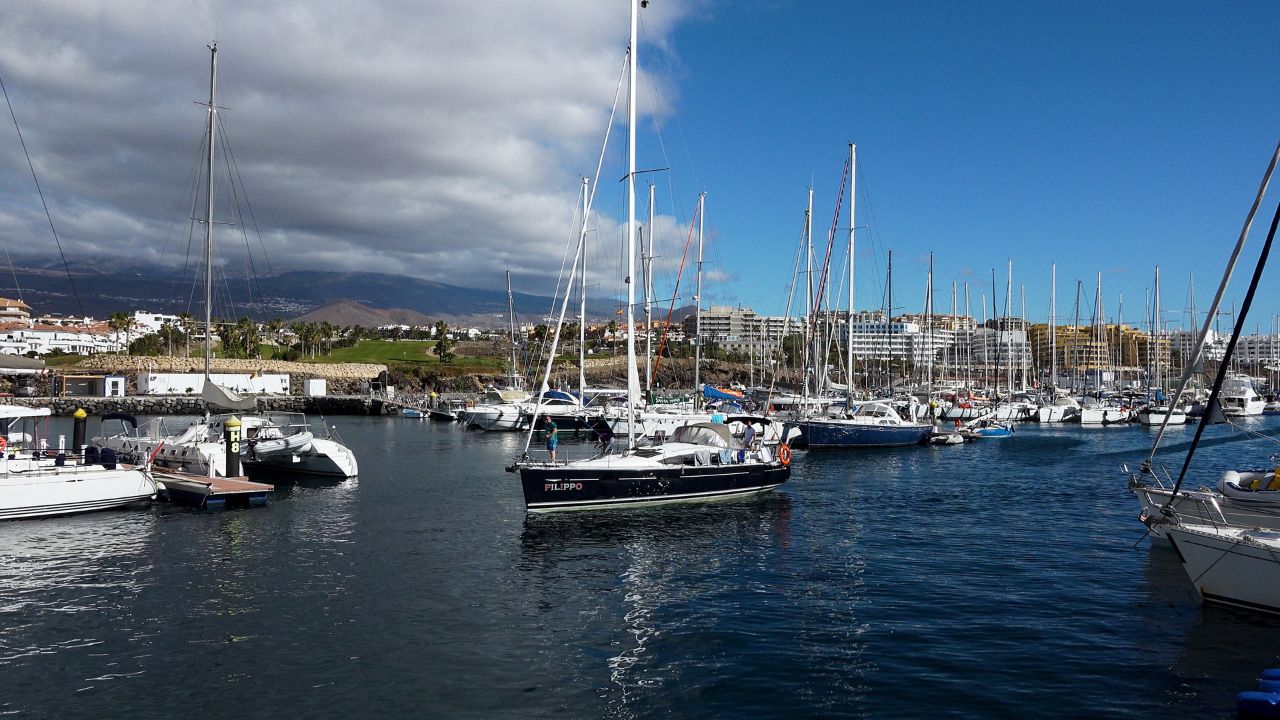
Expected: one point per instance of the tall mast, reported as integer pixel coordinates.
(511, 315)
(648, 301)
(582, 310)
(848, 325)
(208, 211)
(928, 318)
(812, 324)
(1053, 327)
(968, 341)
(1008, 311)
(633, 380)
(697, 345)
(889, 319)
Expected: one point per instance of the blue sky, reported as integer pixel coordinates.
(1101, 136)
(445, 139)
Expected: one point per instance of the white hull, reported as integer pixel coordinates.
(1103, 416)
(493, 417)
(47, 490)
(1156, 416)
(1243, 407)
(956, 412)
(321, 458)
(1230, 565)
(1057, 413)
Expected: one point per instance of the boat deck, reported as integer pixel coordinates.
(212, 493)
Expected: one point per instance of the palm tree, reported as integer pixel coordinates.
(185, 322)
(247, 337)
(121, 322)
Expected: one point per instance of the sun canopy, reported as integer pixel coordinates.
(714, 434)
(219, 396)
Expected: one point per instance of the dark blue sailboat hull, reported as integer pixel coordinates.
(835, 434)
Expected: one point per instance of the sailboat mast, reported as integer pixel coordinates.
(582, 309)
(812, 323)
(511, 320)
(208, 210)
(633, 381)
(697, 345)
(648, 300)
(928, 319)
(848, 326)
(1053, 327)
(1008, 311)
(888, 319)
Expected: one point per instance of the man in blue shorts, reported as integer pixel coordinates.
(552, 438)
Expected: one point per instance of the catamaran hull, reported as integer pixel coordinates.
(849, 435)
(551, 487)
(74, 490)
(320, 458)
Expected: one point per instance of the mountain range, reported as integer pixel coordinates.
(342, 298)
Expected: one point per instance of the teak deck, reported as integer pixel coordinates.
(212, 492)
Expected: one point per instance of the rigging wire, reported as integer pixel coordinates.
(43, 203)
(1231, 347)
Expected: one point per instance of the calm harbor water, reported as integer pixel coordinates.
(984, 580)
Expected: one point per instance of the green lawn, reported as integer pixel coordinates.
(382, 351)
(418, 352)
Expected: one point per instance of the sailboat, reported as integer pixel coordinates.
(868, 424)
(1159, 411)
(700, 461)
(1228, 563)
(36, 481)
(273, 443)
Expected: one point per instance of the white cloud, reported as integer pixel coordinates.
(441, 139)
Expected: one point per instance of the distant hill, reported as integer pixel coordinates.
(348, 312)
(102, 291)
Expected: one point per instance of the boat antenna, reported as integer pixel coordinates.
(1231, 348)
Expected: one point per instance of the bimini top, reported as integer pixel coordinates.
(12, 412)
(714, 434)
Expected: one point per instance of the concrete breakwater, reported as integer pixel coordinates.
(193, 405)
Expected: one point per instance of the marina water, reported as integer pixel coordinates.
(1006, 579)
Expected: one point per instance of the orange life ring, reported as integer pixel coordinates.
(4, 443)
(784, 454)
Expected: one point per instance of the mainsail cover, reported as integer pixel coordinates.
(221, 397)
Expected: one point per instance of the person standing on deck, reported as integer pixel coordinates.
(553, 438)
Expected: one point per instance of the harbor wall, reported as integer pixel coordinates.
(193, 405)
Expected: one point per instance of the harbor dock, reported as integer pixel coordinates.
(212, 493)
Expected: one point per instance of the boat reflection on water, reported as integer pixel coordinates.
(675, 527)
(676, 587)
(71, 572)
(1212, 652)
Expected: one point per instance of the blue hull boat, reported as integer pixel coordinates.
(847, 434)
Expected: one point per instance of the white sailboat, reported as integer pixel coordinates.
(274, 443)
(1159, 411)
(1230, 564)
(36, 481)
